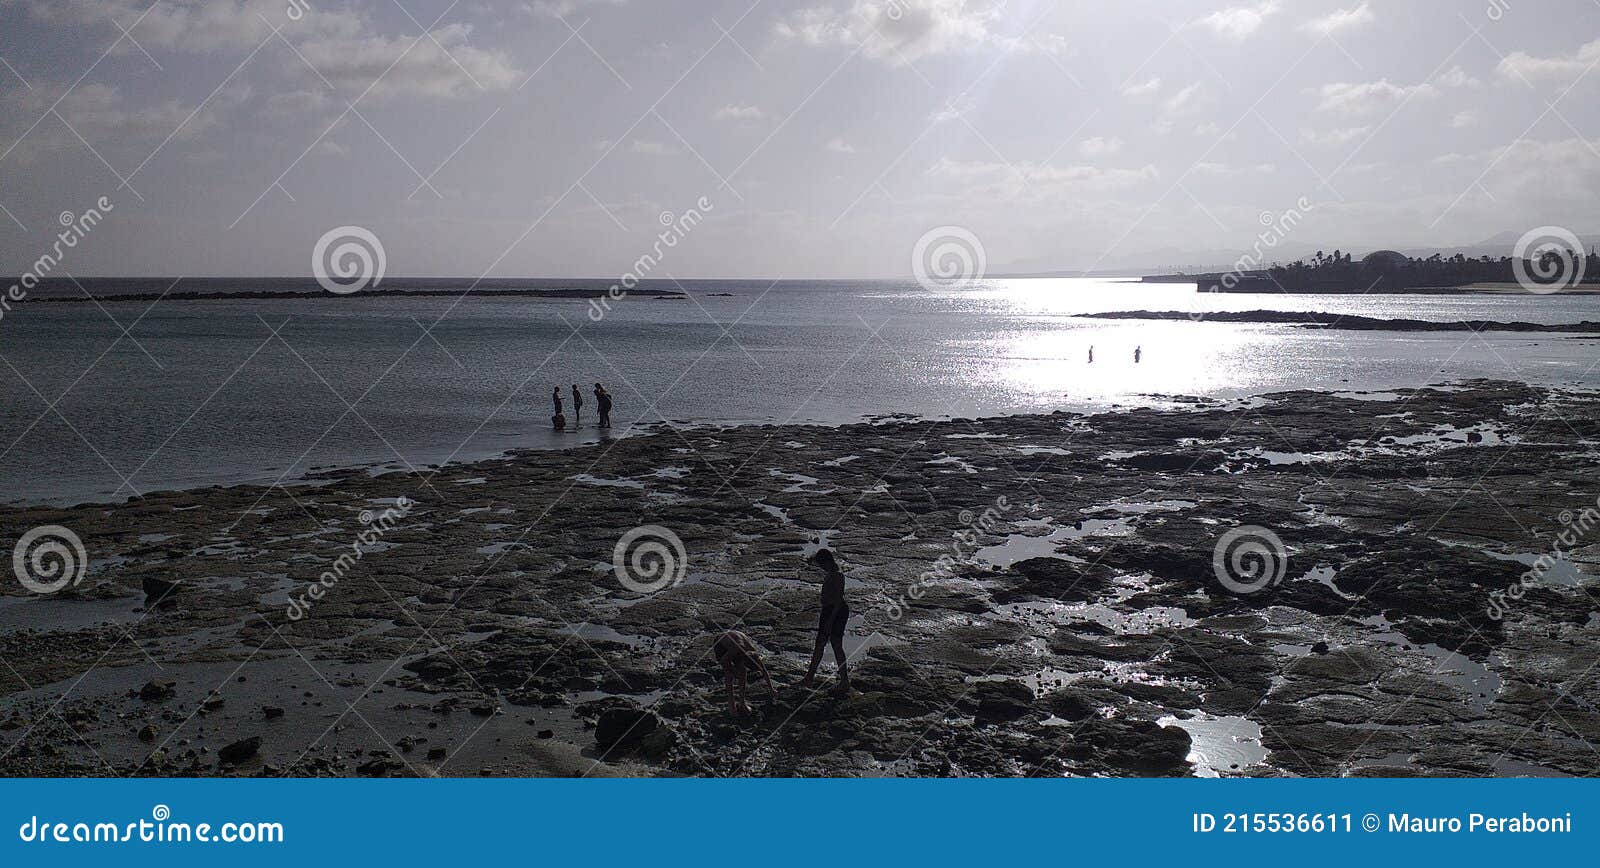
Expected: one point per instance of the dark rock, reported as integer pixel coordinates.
(240, 750)
(272, 712)
(998, 701)
(623, 727)
(156, 688)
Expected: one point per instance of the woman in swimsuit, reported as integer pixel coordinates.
(830, 626)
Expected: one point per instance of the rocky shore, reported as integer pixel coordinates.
(1032, 595)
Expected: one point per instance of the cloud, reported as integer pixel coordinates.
(839, 146)
(1099, 147)
(443, 66)
(1365, 97)
(100, 111)
(1147, 88)
(647, 147)
(341, 44)
(1016, 179)
(1338, 136)
(561, 8)
(1340, 20)
(1465, 119)
(1239, 22)
(1523, 66)
(899, 32)
(197, 26)
(957, 108)
(1457, 77)
(731, 112)
(1190, 98)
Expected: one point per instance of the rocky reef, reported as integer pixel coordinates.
(1031, 595)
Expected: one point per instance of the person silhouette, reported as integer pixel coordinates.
(1091, 355)
(602, 400)
(831, 623)
(738, 655)
(1138, 353)
(577, 406)
(559, 420)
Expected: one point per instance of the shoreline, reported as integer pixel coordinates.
(1078, 629)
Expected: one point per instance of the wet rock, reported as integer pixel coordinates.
(993, 702)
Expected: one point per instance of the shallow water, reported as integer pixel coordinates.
(203, 392)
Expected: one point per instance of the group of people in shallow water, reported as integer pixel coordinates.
(739, 654)
(1138, 354)
(602, 400)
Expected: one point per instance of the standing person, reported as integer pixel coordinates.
(1091, 354)
(1138, 352)
(602, 400)
(577, 406)
(559, 420)
(831, 623)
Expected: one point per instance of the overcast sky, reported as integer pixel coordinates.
(547, 138)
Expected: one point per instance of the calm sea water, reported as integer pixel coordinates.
(204, 392)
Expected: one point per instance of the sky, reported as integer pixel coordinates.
(817, 138)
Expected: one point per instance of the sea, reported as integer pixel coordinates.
(102, 400)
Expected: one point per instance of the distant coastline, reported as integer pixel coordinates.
(149, 289)
(1350, 322)
(1387, 271)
